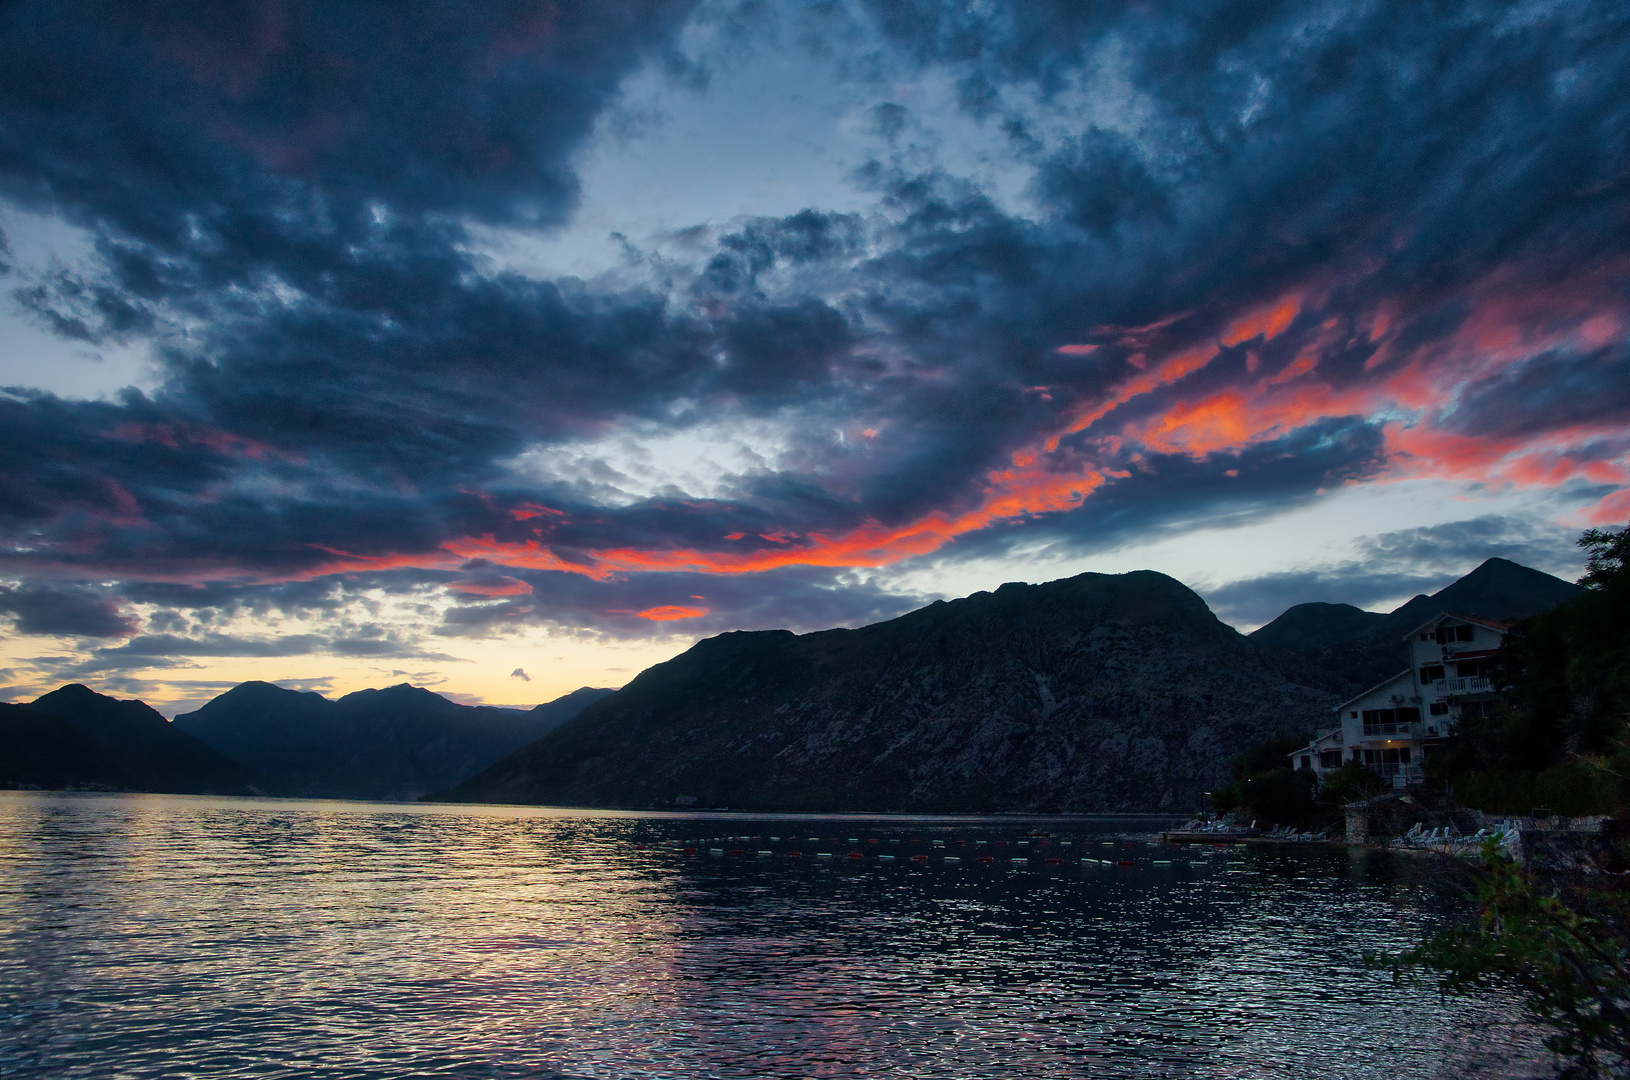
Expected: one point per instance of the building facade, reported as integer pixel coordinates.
(1391, 727)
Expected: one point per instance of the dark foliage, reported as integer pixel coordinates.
(1561, 736)
(1268, 791)
(1568, 952)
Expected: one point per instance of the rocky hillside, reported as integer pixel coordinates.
(395, 743)
(1096, 693)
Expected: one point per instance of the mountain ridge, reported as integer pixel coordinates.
(395, 742)
(82, 738)
(1347, 649)
(1098, 692)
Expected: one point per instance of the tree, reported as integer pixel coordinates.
(1570, 957)
(1561, 735)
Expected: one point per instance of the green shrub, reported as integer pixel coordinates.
(1569, 955)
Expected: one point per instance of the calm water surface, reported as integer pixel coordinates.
(149, 936)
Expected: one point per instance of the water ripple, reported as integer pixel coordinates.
(163, 936)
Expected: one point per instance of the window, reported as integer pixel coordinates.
(1307, 761)
(1438, 708)
(1472, 669)
(1432, 673)
(1464, 633)
(1388, 756)
(1353, 714)
(1426, 637)
(1445, 635)
(1330, 759)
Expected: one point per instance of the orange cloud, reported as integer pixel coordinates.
(1268, 322)
(1506, 327)
(506, 587)
(671, 613)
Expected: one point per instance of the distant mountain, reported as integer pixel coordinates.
(43, 752)
(78, 738)
(1094, 693)
(1332, 624)
(1346, 649)
(552, 714)
(395, 743)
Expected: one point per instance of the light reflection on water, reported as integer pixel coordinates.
(147, 936)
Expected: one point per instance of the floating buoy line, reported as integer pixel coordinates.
(1037, 851)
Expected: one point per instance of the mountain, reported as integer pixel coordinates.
(552, 714)
(148, 752)
(1346, 650)
(43, 752)
(1098, 692)
(395, 743)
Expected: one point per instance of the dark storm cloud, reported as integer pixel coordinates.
(795, 598)
(171, 650)
(1556, 390)
(1167, 493)
(65, 611)
(263, 136)
(282, 194)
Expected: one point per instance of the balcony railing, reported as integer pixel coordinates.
(1462, 687)
(1407, 730)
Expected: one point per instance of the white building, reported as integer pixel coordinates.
(1390, 728)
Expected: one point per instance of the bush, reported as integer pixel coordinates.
(1570, 956)
(1266, 789)
(1350, 783)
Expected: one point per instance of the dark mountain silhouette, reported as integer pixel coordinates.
(1346, 649)
(1098, 692)
(395, 743)
(124, 744)
(44, 752)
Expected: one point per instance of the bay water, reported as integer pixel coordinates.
(171, 936)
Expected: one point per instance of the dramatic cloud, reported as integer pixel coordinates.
(80, 612)
(1209, 264)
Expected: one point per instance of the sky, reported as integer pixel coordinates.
(511, 347)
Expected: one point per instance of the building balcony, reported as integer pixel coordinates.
(1462, 687)
(1392, 731)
